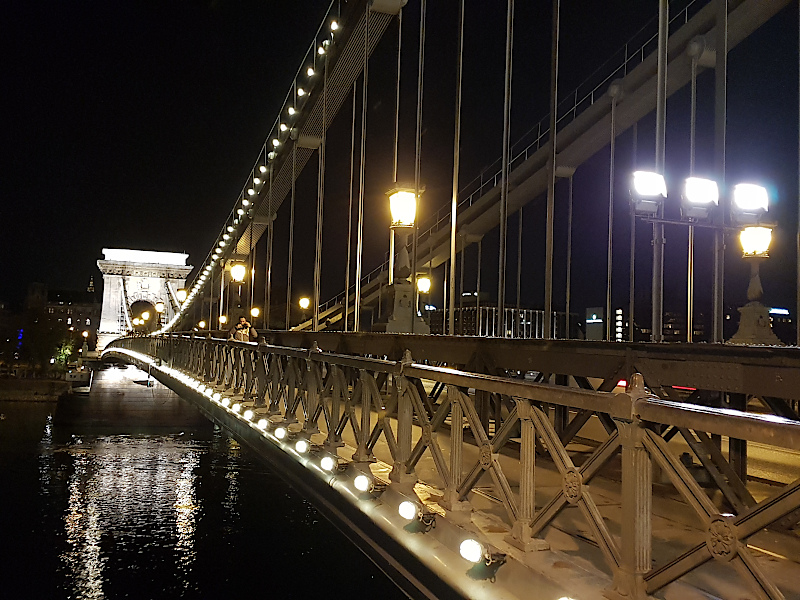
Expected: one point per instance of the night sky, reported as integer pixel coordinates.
(136, 123)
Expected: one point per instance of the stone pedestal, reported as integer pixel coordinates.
(754, 326)
(403, 316)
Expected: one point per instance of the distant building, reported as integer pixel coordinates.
(74, 310)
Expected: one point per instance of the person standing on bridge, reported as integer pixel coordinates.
(243, 331)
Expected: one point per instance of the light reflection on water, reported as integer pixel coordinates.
(158, 512)
(123, 489)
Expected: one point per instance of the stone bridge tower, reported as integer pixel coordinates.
(137, 275)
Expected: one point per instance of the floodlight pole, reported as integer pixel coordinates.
(690, 257)
(656, 332)
(551, 180)
(720, 103)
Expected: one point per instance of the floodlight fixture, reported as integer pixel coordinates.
(700, 197)
(750, 202)
(648, 192)
(408, 510)
(362, 482)
(472, 550)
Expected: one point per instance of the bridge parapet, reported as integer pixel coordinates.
(462, 448)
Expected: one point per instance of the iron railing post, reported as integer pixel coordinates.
(637, 485)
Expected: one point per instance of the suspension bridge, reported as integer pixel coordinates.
(513, 457)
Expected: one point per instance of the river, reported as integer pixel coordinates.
(130, 493)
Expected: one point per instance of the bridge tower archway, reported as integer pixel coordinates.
(133, 279)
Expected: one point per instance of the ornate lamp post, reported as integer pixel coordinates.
(405, 316)
(754, 320)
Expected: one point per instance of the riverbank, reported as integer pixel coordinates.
(33, 390)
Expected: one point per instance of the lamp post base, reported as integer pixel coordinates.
(403, 318)
(754, 327)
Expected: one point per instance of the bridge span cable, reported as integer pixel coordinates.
(418, 156)
(320, 195)
(349, 213)
(360, 233)
(290, 260)
(501, 261)
(456, 163)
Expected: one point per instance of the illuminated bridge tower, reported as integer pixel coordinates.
(138, 277)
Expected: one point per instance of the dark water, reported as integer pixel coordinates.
(150, 512)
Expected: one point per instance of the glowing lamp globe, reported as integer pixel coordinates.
(181, 295)
(424, 285)
(362, 483)
(238, 271)
(755, 241)
(255, 311)
(472, 550)
(407, 510)
(305, 303)
(403, 206)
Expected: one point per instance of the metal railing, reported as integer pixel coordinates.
(469, 425)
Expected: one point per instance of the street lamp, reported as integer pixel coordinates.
(403, 209)
(223, 319)
(424, 285)
(201, 325)
(254, 312)
(181, 296)
(159, 307)
(238, 271)
(754, 320)
(304, 303)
